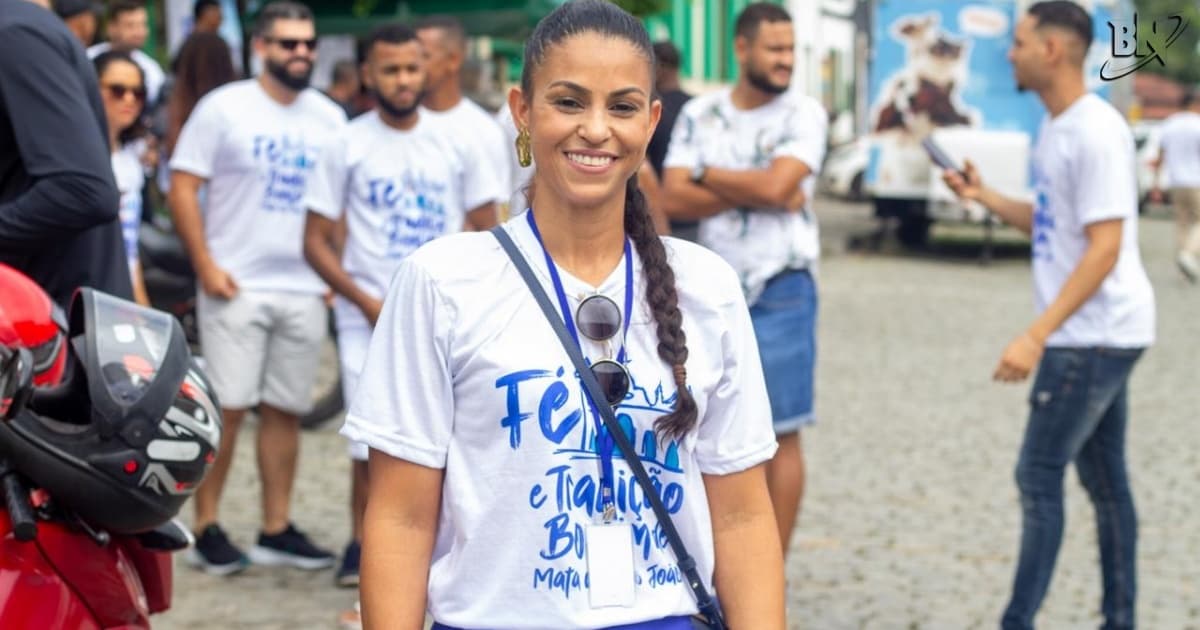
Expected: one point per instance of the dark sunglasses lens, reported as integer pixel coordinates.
(613, 379)
(293, 44)
(598, 318)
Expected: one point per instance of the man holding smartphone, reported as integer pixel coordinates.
(1095, 305)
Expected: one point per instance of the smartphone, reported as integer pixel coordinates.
(939, 156)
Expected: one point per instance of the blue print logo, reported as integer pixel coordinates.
(286, 163)
(415, 207)
(569, 494)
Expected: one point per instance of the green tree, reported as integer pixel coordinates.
(1180, 59)
(643, 8)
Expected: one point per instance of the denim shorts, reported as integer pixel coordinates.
(785, 324)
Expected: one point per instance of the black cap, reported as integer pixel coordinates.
(71, 8)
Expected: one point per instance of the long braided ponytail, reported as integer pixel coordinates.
(664, 304)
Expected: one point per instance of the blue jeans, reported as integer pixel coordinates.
(785, 327)
(1078, 412)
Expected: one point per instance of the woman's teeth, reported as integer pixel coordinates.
(589, 160)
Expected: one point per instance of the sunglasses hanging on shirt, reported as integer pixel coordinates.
(598, 319)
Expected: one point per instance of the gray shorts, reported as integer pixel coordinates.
(353, 342)
(263, 346)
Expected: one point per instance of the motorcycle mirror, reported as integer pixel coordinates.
(16, 381)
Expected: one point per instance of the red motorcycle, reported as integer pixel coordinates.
(106, 428)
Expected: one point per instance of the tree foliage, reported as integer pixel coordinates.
(1181, 60)
(643, 8)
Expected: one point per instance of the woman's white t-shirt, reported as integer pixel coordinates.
(130, 178)
(465, 373)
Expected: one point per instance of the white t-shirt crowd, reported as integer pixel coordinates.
(464, 373)
(1083, 176)
(711, 131)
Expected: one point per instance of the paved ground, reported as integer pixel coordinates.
(911, 520)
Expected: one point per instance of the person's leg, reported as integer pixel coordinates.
(352, 352)
(784, 319)
(232, 340)
(293, 352)
(785, 484)
(1102, 471)
(1191, 238)
(207, 499)
(278, 451)
(1059, 423)
(292, 365)
(358, 498)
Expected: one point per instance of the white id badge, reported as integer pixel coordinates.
(610, 564)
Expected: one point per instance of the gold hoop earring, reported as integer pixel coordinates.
(524, 151)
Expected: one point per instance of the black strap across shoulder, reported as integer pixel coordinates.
(707, 605)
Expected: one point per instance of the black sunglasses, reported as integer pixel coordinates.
(118, 91)
(599, 319)
(290, 44)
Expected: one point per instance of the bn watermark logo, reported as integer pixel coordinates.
(1130, 52)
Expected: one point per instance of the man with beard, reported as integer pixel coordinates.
(743, 161)
(254, 144)
(395, 180)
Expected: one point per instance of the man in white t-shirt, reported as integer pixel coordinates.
(127, 27)
(261, 308)
(445, 44)
(1095, 311)
(744, 161)
(397, 180)
(1180, 151)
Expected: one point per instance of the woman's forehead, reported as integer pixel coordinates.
(596, 62)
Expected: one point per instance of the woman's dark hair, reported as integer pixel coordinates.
(102, 62)
(577, 17)
(203, 64)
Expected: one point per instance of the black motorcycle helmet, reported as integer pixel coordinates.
(126, 438)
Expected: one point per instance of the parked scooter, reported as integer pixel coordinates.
(102, 439)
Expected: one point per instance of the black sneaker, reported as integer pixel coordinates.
(347, 574)
(215, 555)
(290, 548)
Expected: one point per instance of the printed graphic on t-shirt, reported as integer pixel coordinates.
(286, 161)
(1043, 218)
(415, 207)
(131, 218)
(569, 499)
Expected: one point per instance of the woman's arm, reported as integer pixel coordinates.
(749, 561)
(398, 535)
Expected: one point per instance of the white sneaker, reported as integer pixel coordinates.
(1189, 266)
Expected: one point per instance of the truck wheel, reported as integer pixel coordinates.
(913, 231)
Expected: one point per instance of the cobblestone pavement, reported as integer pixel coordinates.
(911, 518)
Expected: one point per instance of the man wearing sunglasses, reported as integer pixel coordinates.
(261, 312)
(58, 200)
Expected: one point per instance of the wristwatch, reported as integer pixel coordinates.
(697, 175)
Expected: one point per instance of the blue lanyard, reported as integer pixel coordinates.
(604, 442)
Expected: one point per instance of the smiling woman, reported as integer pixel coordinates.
(488, 518)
